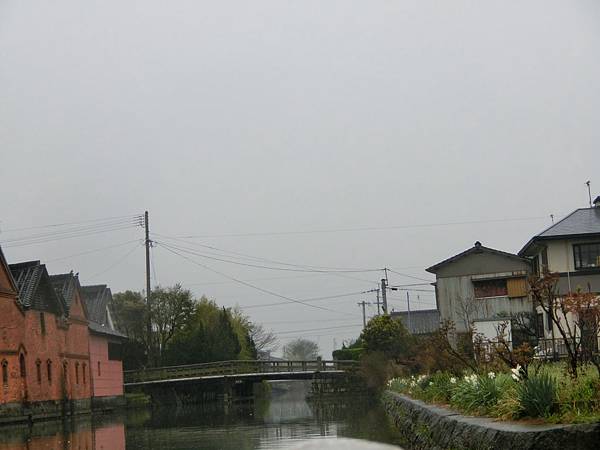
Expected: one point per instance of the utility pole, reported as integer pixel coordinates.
(383, 295)
(408, 303)
(378, 303)
(148, 243)
(363, 304)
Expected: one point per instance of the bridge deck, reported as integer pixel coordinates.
(259, 370)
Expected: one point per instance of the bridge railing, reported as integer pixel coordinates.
(221, 368)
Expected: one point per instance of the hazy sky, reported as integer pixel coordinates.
(232, 120)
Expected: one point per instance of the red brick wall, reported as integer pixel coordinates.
(12, 328)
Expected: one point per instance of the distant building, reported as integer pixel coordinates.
(481, 285)
(423, 321)
(106, 344)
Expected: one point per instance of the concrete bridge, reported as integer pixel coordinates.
(197, 382)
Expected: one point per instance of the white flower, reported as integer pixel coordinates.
(452, 380)
(431, 383)
(491, 375)
(516, 373)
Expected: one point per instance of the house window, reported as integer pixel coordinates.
(535, 263)
(490, 288)
(22, 366)
(76, 373)
(549, 320)
(43, 323)
(5, 372)
(99, 371)
(49, 370)
(545, 260)
(38, 370)
(539, 325)
(587, 256)
(516, 287)
(83, 370)
(115, 352)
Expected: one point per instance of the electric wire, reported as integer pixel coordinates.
(381, 228)
(54, 225)
(116, 263)
(257, 266)
(92, 251)
(266, 291)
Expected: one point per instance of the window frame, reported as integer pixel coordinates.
(577, 255)
(5, 376)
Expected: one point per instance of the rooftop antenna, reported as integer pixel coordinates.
(552, 218)
(587, 183)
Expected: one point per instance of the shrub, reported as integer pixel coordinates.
(537, 395)
(478, 392)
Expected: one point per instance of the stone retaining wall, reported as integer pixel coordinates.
(427, 427)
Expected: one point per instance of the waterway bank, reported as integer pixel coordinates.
(427, 427)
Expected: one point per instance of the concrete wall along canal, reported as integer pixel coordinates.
(426, 427)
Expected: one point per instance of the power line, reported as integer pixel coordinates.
(54, 225)
(116, 263)
(266, 291)
(318, 329)
(313, 299)
(272, 261)
(257, 266)
(92, 251)
(409, 276)
(346, 230)
(74, 233)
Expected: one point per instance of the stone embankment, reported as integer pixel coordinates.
(427, 427)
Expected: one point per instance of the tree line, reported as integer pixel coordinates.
(185, 330)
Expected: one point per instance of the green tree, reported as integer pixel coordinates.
(130, 314)
(388, 336)
(172, 308)
(301, 350)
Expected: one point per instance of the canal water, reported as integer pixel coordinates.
(283, 420)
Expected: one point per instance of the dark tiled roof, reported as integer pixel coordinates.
(64, 284)
(35, 289)
(477, 248)
(96, 300)
(581, 222)
(101, 329)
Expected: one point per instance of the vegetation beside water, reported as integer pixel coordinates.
(547, 392)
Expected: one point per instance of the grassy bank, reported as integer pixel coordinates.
(546, 392)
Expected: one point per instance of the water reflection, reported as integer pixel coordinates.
(277, 422)
(77, 434)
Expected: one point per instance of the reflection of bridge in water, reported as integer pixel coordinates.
(230, 378)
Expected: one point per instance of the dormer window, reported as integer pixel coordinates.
(587, 256)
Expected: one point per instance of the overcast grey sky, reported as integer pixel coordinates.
(245, 118)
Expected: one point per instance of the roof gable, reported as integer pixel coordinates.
(35, 289)
(97, 299)
(67, 285)
(484, 260)
(7, 282)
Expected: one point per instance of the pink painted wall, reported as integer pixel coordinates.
(109, 382)
(110, 437)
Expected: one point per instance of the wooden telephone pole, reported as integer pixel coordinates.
(363, 304)
(148, 244)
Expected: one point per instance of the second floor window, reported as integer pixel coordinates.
(587, 256)
(490, 288)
